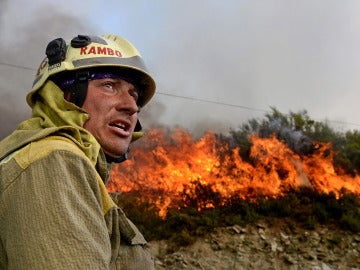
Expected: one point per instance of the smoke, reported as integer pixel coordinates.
(288, 54)
(295, 139)
(23, 46)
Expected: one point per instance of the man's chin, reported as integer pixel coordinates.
(117, 152)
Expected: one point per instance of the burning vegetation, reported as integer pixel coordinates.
(282, 166)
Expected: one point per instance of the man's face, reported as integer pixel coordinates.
(113, 113)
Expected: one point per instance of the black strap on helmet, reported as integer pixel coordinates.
(138, 126)
(78, 90)
(120, 159)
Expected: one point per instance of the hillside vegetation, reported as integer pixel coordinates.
(305, 206)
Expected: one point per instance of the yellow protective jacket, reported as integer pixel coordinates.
(55, 211)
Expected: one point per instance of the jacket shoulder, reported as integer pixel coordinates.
(42, 148)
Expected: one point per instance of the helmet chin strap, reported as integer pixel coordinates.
(79, 88)
(120, 159)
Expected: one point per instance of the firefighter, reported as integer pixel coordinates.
(55, 210)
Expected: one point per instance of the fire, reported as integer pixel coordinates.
(164, 164)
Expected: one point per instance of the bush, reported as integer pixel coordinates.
(184, 224)
(298, 131)
(350, 221)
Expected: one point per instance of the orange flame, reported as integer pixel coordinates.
(164, 164)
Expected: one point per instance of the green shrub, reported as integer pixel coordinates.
(320, 212)
(275, 207)
(334, 241)
(350, 221)
(180, 239)
(184, 224)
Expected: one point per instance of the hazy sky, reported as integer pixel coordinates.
(252, 55)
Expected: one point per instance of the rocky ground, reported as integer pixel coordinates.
(272, 244)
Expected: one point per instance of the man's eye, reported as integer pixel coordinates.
(108, 84)
(135, 95)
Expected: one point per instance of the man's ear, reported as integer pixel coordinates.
(67, 95)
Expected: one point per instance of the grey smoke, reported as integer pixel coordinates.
(25, 48)
(295, 139)
(288, 54)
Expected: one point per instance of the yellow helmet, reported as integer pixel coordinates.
(87, 52)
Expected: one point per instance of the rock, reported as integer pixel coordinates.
(237, 229)
(324, 266)
(281, 245)
(273, 246)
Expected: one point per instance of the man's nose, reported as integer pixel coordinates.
(126, 101)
